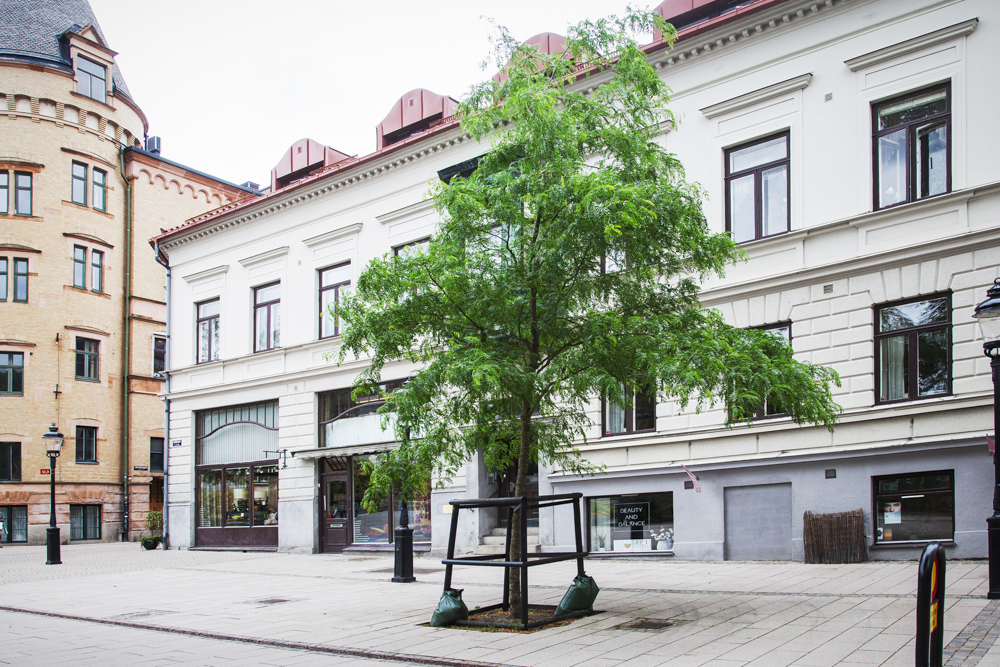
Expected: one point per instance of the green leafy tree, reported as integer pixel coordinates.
(567, 265)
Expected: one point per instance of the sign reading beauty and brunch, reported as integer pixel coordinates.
(631, 515)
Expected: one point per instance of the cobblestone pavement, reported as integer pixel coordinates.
(114, 604)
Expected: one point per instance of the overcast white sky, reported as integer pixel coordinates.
(230, 85)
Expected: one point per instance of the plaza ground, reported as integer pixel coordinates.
(114, 604)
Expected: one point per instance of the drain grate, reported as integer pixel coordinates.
(647, 624)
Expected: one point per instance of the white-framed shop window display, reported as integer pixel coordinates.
(632, 523)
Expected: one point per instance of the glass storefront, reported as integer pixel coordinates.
(640, 522)
(915, 507)
(376, 527)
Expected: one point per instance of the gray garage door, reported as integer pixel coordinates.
(759, 522)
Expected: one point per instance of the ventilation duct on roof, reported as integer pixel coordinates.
(301, 159)
(414, 112)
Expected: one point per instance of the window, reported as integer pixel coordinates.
(632, 412)
(86, 444)
(914, 507)
(334, 284)
(4, 192)
(10, 462)
(336, 406)
(410, 249)
(97, 270)
(87, 358)
(79, 267)
(100, 190)
(91, 79)
(79, 180)
(84, 522)
(11, 373)
(757, 185)
(267, 317)
(634, 522)
(3, 278)
(20, 280)
(911, 153)
(768, 408)
(156, 454)
(159, 355)
(913, 349)
(208, 331)
(15, 521)
(22, 193)
(377, 527)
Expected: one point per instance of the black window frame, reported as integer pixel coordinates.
(80, 267)
(757, 172)
(90, 77)
(762, 411)
(213, 354)
(97, 271)
(159, 355)
(156, 455)
(7, 471)
(7, 515)
(74, 178)
(86, 354)
(913, 362)
(99, 187)
(336, 289)
(911, 145)
(629, 415)
(86, 444)
(20, 277)
(268, 306)
(4, 269)
(18, 189)
(10, 372)
(84, 510)
(878, 498)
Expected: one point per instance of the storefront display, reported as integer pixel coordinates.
(915, 507)
(641, 522)
(376, 527)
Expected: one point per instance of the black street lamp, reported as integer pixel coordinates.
(53, 446)
(988, 315)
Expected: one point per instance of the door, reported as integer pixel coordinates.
(759, 522)
(509, 482)
(335, 512)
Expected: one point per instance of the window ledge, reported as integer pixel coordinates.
(94, 380)
(910, 544)
(86, 463)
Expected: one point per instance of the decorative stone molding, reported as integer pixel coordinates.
(263, 257)
(909, 46)
(206, 274)
(87, 154)
(87, 328)
(759, 95)
(340, 232)
(89, 238)
(412, 210)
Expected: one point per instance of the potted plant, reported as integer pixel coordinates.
(154, 524)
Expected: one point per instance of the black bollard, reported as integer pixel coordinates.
(930, 607)
(403, 539)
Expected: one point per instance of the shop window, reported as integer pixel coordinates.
(22, 193)
(757, 187)
(377, 527)
(79, 267)
(238, 496)
(84, 522)
(334, 285)
(630, 523)
(20, 280)
(630, 412)
(913, 349)
(10, 462)
(11, 373)
(78, 194)
(159, 355)
(86, 444)
(335, 406)
(15, 523)
(914, 507)
(87, 359)
(208, 331)
(91, 79)
(4, 192)
(97, 270)
(911, 148)
(100, 190)
(267, 317)
(156, 455)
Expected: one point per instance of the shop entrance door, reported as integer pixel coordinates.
(508, 484)
(335, 512)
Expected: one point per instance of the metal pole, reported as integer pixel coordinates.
(403, 540)
(993, 523)
(52, 532)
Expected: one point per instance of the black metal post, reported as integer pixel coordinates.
(993, 522)
(524, 561)
(506, 557)
(579, 537)
(52, 532)
(403, 539)
(452, 534)
(929, 644)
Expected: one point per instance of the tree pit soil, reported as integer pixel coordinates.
(513, 619)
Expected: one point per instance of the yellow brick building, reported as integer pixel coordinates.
(82, 301)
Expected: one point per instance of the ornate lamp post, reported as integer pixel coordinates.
(988, 315)
(53, 446)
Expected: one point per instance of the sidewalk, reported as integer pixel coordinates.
(115, 604)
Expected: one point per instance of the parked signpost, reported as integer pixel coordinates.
(930, 607)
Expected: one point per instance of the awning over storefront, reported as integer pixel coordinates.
(352, 450)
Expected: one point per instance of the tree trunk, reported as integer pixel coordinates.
(520, 490)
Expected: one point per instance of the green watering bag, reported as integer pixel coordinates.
(450, 609)
(580, 596)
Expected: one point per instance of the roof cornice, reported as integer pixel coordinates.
(909, 46)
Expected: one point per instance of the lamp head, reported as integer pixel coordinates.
(53, 441)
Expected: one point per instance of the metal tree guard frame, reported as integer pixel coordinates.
(514, 506)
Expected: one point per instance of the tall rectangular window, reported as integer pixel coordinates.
(79, 181)
(86, 444)
(11, 373)
(20, 280)
(97, 270)
(3, 278)
(79, 267)
(10, 462)
(4, 192)
(913, 349)
(267, 317)
(914, 507)
(769, 407)
(630, 412)
(84, 522)
(159, 355)
(22, 193)
(100, 190)
(87, 359)
(208, 331)
(757, 188)
(91, 79)
(911, 148)
(156, 454)
(334, 284)
(15, 517)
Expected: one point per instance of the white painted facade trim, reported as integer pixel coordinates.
(756, 96)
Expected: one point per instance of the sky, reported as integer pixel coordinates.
(229, 85)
